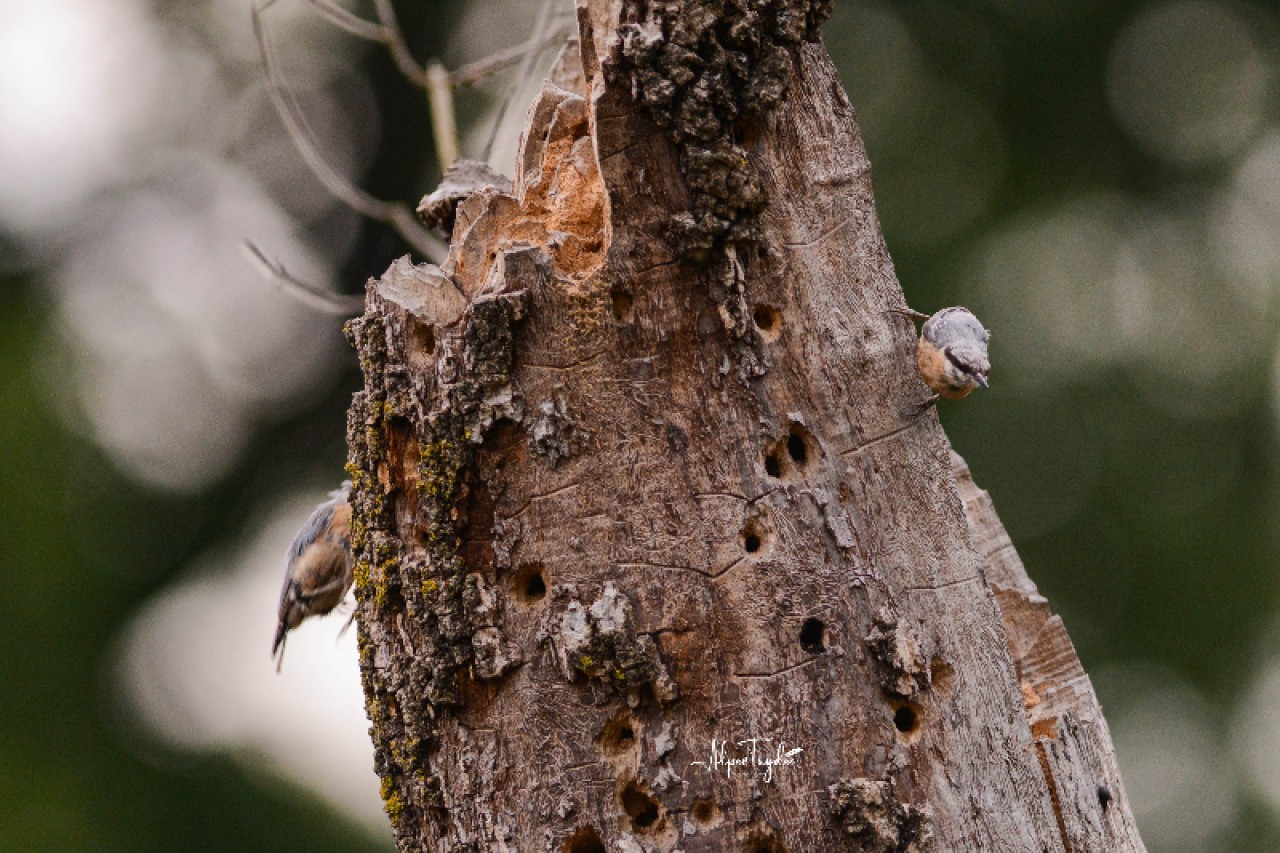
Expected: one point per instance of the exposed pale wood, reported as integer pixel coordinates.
(604, 418)
(1066, 721)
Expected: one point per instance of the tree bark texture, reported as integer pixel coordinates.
(643, 472)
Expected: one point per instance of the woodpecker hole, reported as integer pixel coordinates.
(768, 322)
(796, 449)
(747, 130)
(530, 583)
(623, 304)
(769, 844)
(420, 353)
(422, 337)
(617, 736)
(639, 806)
(752, 537)
(773, 462)
(813, 636)
(585, 840)
(906, 717)
(704, 812)
(1104, 797)
(790, 454)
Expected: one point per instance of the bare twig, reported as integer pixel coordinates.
(396, 214)
(310, 295)
(473, 72)
(349, 23)
(526, 67)
(386, 32)
(396, 44)
(443, 124)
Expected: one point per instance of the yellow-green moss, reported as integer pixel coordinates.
(387, 568)
(361, 574)
(391, 799)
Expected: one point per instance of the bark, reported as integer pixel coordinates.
(643, 469)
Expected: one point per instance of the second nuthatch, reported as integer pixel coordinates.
(319, 571)
(952, 352)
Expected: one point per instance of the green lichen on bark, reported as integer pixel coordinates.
(703, 69)
(377, 571)
(423, 583)
(618, 660)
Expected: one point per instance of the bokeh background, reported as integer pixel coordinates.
(1099, 180)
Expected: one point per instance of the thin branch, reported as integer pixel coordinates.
(526, 68)
(443, 122)
(348, 22)
(394, 213)
(473, 72)
(396, 44)
(386, 32)
(310, 295)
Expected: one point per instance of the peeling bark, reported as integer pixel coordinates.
(640, 471)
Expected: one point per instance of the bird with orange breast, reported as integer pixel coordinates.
(319, 570)
(952, 351)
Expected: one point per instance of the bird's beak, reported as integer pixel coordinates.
(982, 379)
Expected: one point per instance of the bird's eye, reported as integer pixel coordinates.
(959, 364)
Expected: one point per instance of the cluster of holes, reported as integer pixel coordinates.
(792, 453)
(585, 840)
(530, 583)
(813, 636)
(768, 322)
(639, 806)
(906, 717)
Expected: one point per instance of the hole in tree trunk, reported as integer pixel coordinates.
(768, 322)
(773, 463)
(813, 636)
(529, 583)
(907, 718)
(639, 806)
(585, 840)
(770, 844)
(617, 736)
(792, 454)
(704, 812)
(796, 449)
(753, 537)
(623, 304)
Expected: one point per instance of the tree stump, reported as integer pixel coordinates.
(658, 548)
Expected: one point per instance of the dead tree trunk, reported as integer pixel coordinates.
(642, 483)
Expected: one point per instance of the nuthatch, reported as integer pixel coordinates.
(319, 571)
(952, 352)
